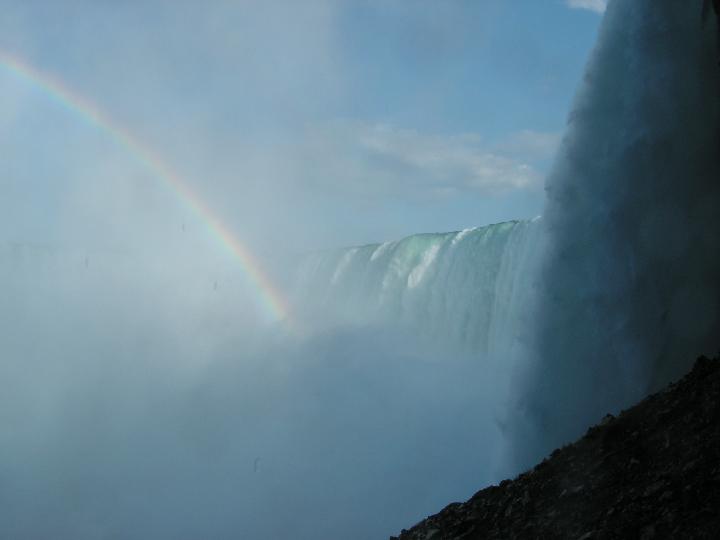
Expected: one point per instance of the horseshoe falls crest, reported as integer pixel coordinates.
(458, 288)
(615, 290)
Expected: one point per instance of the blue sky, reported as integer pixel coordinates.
(304, 125)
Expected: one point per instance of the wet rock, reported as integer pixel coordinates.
(648, 533)
(650, 472)
(653, 488)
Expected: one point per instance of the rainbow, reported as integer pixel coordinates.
(267, 294)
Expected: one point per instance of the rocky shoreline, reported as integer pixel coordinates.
(651, 472)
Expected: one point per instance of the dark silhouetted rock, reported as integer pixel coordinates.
(652, 472)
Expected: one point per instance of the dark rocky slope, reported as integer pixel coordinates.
(651, 472)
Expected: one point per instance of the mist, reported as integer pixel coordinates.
(218, 315)
(131, 410)
(146, 390)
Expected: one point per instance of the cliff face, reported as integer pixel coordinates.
(651, 472)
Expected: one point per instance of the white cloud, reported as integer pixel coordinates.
(382, 160)
(598, 6)
(530, 145)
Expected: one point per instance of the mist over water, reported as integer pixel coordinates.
(131, 408)
(145, 392)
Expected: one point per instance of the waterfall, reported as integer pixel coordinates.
(141, 396)
(629, 288)
(463, 288)
(625, 293)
